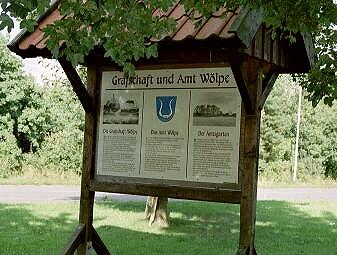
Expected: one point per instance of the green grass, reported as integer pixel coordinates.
(52, 177)
(195, 228)
(47, 178)
(313, 182)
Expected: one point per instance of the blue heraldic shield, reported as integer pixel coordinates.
(166, 106)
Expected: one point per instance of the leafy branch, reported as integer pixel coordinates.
(124, 29)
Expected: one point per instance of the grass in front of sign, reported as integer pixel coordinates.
(195, 228)
(51, 177)
(47, 178)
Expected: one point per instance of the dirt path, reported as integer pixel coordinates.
(54, 193)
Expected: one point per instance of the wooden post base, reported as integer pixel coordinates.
(246, 251)
(156, 211)
(78, 238)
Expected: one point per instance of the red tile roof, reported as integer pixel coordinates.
(188, 27)
(197, 27)
(241, 29)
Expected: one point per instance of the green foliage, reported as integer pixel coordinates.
(21, 100)
(123, 29)
(40, 126)
(9, 66)
(22, 119)
(61, 150)
(318, 136)
(321, 82)
(277, 131)
(10, 154)
(330, 165)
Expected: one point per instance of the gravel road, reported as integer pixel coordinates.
(54, 193)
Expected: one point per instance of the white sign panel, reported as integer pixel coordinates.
(173, 124)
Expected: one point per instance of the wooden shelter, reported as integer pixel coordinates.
(238, 41)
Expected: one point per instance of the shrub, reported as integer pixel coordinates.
(330, 167)
(62, 151)
(10, 154)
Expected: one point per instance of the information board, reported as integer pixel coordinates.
(172, 124)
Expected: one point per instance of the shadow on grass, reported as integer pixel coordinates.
(296, 228)
(23, 230)
(212, 228)
(196, 228)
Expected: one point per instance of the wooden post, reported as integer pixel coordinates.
(249, 172)
(87, 196)
(85, 237)
(156, 211)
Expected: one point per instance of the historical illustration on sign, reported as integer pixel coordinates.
(120, 133)
(213, 109)
(213, 143)
(120, 109)
(173, 124)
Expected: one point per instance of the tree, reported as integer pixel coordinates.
(321, 82)
(317, 147)
(41, 127)
(123, 29)
(278, 131)
(23, 120)
(61, 149)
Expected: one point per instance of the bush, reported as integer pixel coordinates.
(309, 167)
(61, 151)
(10, 154)
(276, 171)
(330, 167)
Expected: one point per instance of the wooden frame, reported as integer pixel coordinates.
(225, 192)
(243, 193)
(256, 58)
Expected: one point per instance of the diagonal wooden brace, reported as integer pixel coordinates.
(242, 86)
(77, 84)
(267, 86)
(75, 240)
(98, 244)
(78, 238)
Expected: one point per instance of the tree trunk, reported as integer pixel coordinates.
(156, 211)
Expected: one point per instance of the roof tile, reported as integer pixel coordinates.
(197, 28)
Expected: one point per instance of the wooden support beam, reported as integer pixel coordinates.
(249, 184)
(77, 84)
(249, 172)
(268, 84)
(87, 196)
(242, 85)
(98, 244)
(75, 240)
(204, 194)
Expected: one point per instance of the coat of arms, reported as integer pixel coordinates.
(166, 106)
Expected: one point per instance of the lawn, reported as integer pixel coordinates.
(47, 178)
(196, 228)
